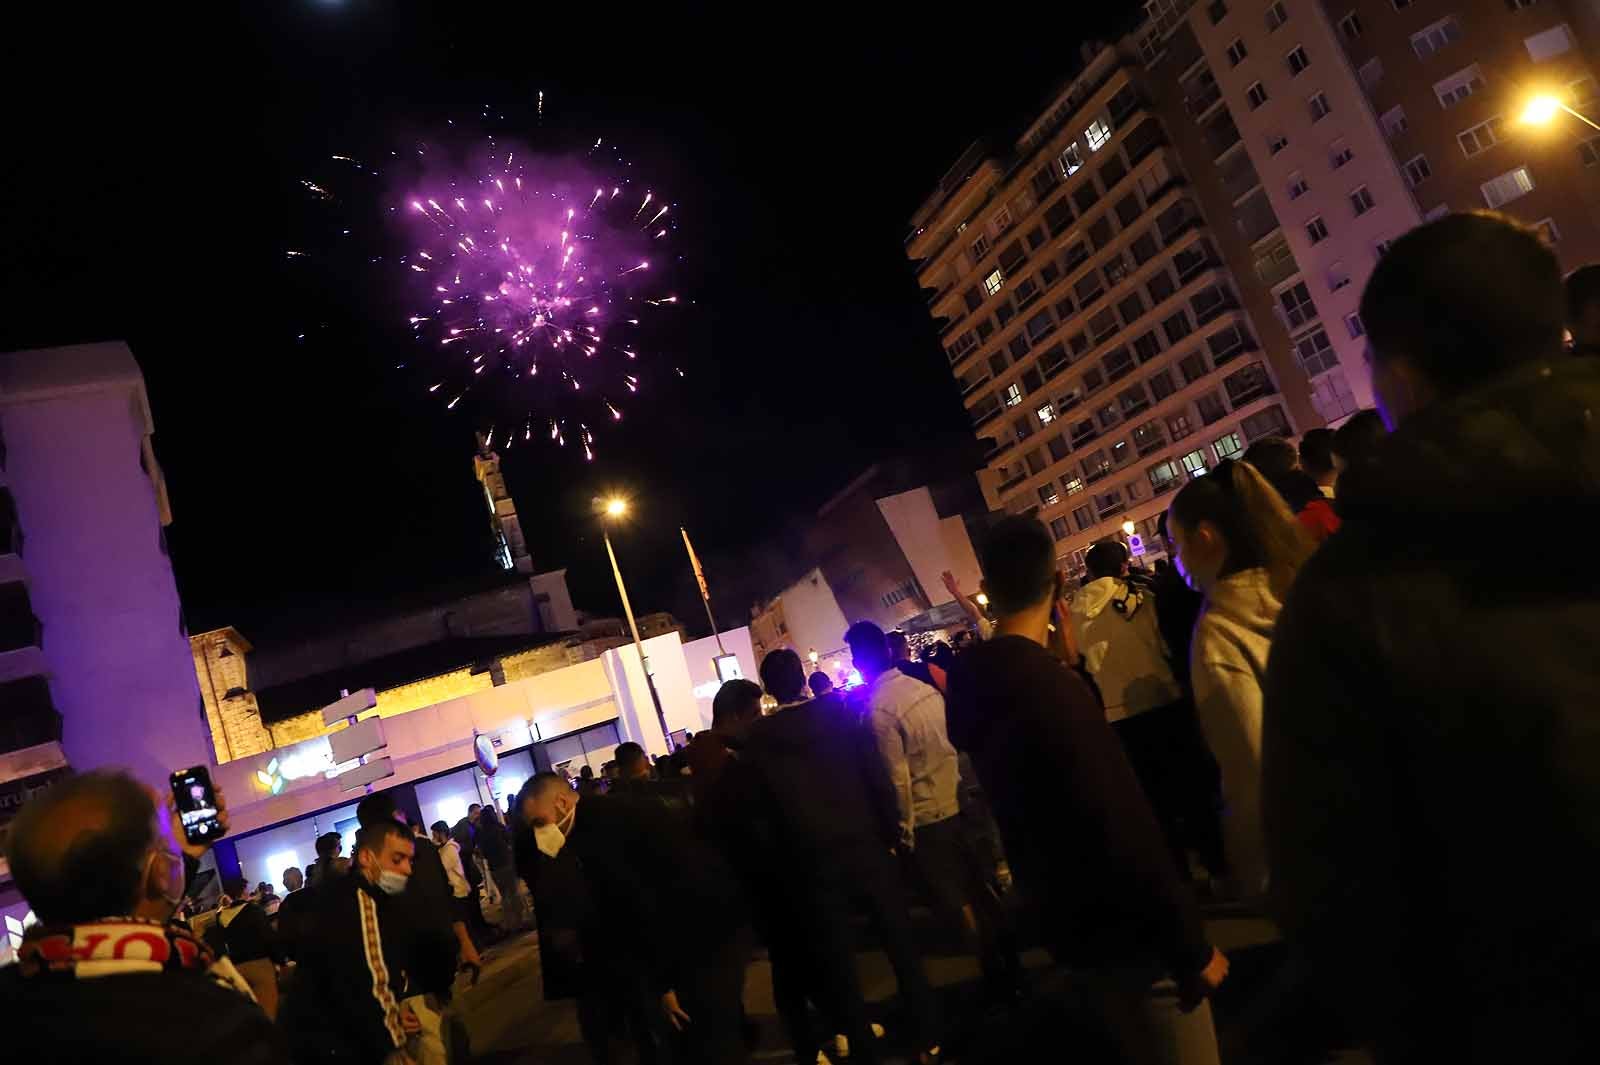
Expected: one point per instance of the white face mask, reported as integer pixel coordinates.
(391, 882)
(551, 838)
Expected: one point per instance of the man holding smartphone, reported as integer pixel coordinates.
(105, 976)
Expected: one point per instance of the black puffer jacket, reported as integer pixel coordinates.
(1432, 732)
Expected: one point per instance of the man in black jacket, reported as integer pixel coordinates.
(346, 1002)
(104, 977)
(664, 910)
(837, 825)
(1430, 732)
(1083, 843)
(430, 935)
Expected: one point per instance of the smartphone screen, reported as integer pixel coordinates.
(197, 804)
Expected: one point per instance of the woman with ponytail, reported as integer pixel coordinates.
(1239, 545)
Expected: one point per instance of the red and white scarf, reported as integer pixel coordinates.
(118, 945)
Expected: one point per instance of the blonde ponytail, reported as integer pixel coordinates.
(1257, 524)
(1281, 542)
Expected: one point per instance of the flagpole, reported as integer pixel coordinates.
(705, 593)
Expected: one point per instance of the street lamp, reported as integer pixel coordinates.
(1128, 527)
(1543, 108)
(616, 507)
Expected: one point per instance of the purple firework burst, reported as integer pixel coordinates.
(533, 275)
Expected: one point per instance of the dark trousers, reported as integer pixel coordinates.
(865, 876)
(955, 877)
(617, 1014)
(814, 961)
(1181, 779)
(711, 992)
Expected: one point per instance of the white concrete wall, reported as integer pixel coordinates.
(438, 738)
(930, 543)
(703, 673)
(121, 672)
(813, 616)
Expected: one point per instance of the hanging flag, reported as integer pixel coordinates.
(694, 560)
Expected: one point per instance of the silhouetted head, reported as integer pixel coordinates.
(869, 648)
(632, 763)
(783, 676)
(1108, 558)
(1316, 455)
(1019, 565)
(1456, 302)
(737, 703)
(819, 683)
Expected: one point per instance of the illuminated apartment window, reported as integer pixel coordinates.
(993, 282)
(1097, 134)
(1071, 162)
(1228, 446)
(1013, 394)
(1557, 40)
(1507, 187)
(1046, 414)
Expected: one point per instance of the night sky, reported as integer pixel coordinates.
(152, 187)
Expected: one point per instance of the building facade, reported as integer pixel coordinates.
(1105, 341)
(1310, 176)
(94, 670)
(1449, 83)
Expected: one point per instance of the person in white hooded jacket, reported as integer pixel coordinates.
(1240, 546)
(1117, 631)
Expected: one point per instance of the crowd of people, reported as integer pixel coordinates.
(1340, 706)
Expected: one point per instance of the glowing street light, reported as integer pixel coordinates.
(814, 656)
(1540, 110)
(616, 507)
(1128, 527)
(983, 599)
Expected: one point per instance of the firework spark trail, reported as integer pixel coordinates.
(541, 277)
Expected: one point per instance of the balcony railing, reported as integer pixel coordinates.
(1018, 479)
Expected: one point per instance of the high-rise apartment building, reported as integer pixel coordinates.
(1449, 83)
(1310, 178)
(1168, 264)
(1104, 348)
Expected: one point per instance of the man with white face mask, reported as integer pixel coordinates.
(103, 976)
(666, 919)
(345, 1004)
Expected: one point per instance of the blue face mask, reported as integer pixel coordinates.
(391, 882)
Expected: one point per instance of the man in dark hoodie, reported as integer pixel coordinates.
(1083, 843)
(1430, 733)
(837, 824)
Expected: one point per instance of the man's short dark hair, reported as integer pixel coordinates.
(737, 700)
(372, 837)
(440, 827)
(1273, 457)
(1583, 291)
(1106, 558)
(77, 851)
(1357, 440)
(1316, 452)
(629, 754)
(327, 846)
(819, 683)
(235, 888)
(1019, 563)
(379, 806)
(783, 676)
(868, 644)
(539, 783)
(1464, 298)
